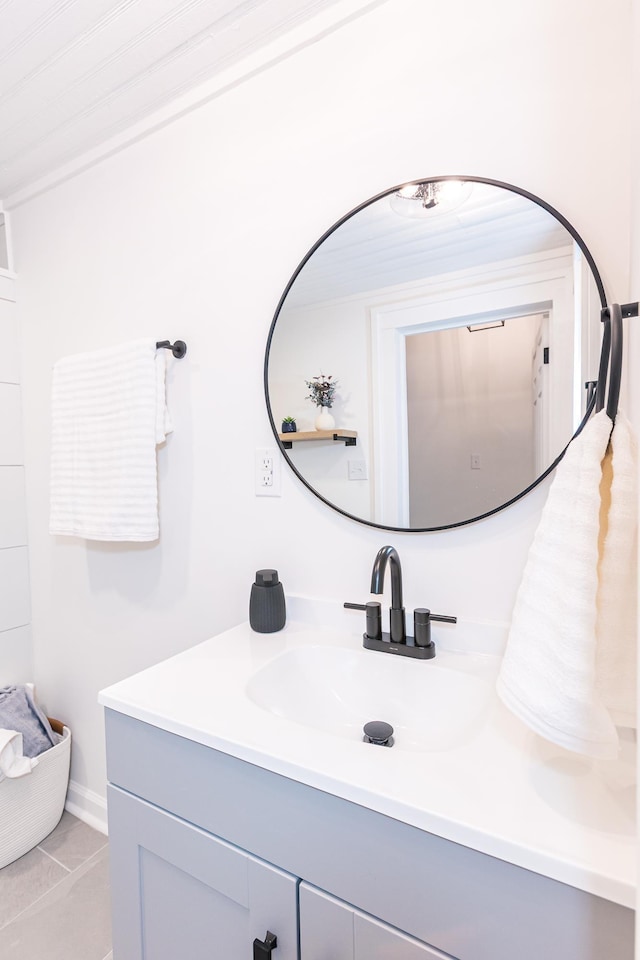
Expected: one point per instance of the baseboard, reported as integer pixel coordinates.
(87, 806)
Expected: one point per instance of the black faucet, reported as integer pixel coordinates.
(420, 646)
(397, 623)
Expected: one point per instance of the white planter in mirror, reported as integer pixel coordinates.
(324, 420)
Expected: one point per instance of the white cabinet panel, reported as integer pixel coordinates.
(10, 425)
(13, 514)
(14, 588)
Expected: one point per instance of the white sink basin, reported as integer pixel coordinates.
(432, 705)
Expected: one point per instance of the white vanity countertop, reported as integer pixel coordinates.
(504, 791)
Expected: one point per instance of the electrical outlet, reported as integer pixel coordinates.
(475, 461)
(267, 472)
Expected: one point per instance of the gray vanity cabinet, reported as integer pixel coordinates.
(332, 929)
(207, 850)
(179, 892)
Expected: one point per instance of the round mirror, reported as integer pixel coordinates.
(429, 359)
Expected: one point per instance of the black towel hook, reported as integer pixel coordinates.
(615, 365)
(611, 356)
(179, 348)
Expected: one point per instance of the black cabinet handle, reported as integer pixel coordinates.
(262, 948)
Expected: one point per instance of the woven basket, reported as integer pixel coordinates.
(31, 806)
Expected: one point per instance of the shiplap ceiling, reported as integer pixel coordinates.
(75, 73)
(377, 248)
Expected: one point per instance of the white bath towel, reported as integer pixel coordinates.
(569, 667)
(108, 415)
(12, 762)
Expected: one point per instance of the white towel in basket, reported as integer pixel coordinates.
(108, 414)
(12, 762)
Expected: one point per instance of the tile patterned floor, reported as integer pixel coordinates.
(54, 901)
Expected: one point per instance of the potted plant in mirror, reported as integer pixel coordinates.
(289, 425)
(322, 392)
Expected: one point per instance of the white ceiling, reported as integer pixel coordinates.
(76, 73)
(376, 248)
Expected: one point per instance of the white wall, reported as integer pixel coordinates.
(330, 338)
(15, 636)
(160, 240)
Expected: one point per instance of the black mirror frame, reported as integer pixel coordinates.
(385, 193)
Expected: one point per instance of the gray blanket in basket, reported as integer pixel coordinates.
(19, 711)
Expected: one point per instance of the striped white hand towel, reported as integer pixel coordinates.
(108, 414)
(570, 664)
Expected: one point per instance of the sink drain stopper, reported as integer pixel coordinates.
(379, 733)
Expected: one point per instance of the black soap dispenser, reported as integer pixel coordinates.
(267, 609)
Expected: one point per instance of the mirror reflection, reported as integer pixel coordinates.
(460, 320)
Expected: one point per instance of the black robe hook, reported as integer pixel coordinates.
(611, 360)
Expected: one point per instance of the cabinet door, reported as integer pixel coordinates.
(333, 930)
(178, 892)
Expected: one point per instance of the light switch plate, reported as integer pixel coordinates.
(357, 469)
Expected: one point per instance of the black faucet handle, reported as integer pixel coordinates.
(443, 619)
(374, 617)
(422, 618)
(422, 627)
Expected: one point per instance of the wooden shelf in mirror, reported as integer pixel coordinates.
(348, 437)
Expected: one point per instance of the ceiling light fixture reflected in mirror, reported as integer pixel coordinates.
(430, 198)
